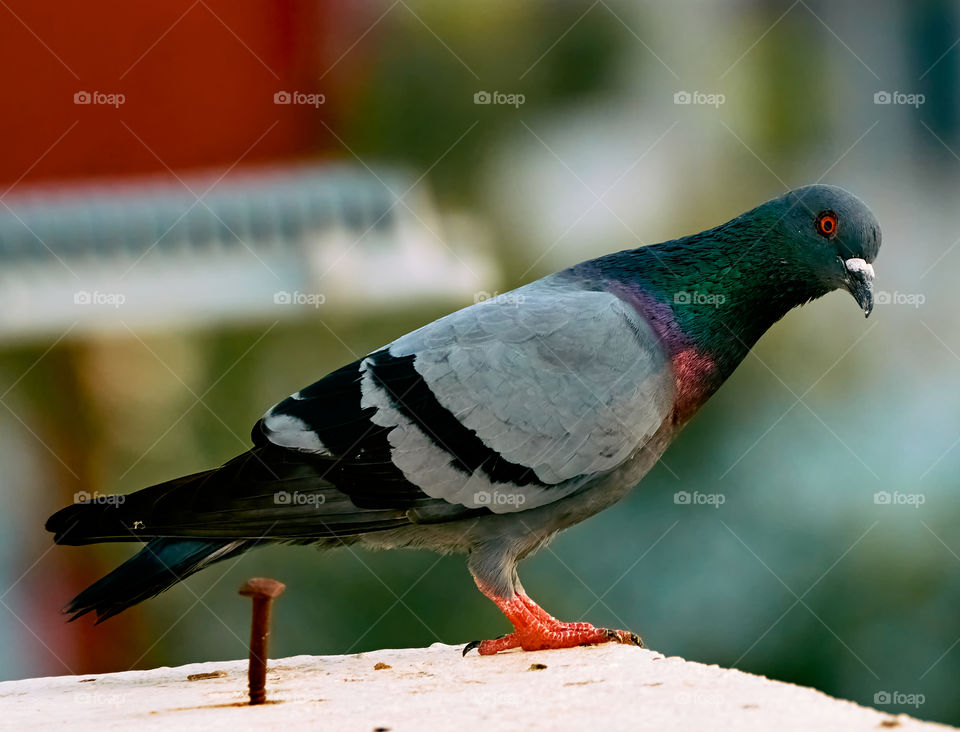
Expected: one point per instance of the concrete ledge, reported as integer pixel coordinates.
(614, 686)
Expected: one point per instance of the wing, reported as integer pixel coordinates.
(506, 405)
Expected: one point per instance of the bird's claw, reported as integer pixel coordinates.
(476, 644)
(624, 636)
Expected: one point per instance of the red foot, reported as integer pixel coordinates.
(535, 629)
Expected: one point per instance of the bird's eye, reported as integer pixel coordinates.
(827, 224)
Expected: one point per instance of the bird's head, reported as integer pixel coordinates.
(829, 235)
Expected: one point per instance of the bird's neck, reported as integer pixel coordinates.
(708, 297)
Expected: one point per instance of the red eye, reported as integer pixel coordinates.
(827, 224)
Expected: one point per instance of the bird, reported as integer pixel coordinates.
(488, 431)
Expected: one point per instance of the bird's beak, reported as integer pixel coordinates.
(860, 282)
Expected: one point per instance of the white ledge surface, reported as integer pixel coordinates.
(613, 686)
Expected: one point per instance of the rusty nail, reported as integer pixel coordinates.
(262, 590)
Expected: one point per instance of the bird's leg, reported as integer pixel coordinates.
(542, 615)
(535, 629)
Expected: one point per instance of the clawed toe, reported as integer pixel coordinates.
(627, 638)
(490, 647)
(561, 635)
(623, 636)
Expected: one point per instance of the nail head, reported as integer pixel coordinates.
(262, 587)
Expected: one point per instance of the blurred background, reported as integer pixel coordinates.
(205, 206)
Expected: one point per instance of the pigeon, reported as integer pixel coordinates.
(490, 430)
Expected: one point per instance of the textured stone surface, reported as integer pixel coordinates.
(618, 687)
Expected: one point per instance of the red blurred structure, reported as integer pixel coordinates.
(197, 78)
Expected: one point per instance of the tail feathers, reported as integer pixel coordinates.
(114, 517)
(157, 567)
(88, 523)
(265, 492)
